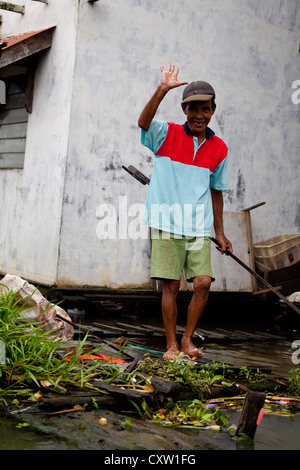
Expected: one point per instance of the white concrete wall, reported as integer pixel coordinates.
(31, 199)
(248, 50)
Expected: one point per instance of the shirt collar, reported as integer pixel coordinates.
(209, 131)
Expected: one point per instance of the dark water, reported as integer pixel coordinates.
(276, 356)
(81, 431)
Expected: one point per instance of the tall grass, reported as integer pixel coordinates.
(31, 354)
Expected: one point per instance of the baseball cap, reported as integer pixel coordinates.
(198, 91)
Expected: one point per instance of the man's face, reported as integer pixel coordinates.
(199, 114)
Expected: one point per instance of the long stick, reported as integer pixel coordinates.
(259, 278)
(144, 180)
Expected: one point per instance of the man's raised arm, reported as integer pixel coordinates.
(168, 81)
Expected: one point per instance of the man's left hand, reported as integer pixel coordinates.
(225, 244)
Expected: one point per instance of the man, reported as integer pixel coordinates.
(184, 201)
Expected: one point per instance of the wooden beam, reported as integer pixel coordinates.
(29, 89)
(251, 413)
(57, 403)
(12, 160)
(27, 47)
(12, 7)
(265, 291)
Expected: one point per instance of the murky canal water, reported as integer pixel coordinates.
(36, 430)
(276, 356)
(83, 432)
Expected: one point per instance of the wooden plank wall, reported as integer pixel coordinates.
(13, 126)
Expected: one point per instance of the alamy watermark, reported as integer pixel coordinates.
(296, 354)
(296, 94)
(2, 353)
(2, 92)
(124, 221)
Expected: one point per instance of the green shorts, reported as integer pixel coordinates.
(171, 254)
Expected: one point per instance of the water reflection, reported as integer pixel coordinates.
(276, 356)
(276, 432)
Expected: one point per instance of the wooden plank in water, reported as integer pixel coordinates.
(180, 329)
(110, 327)
(227, 333)
(139, 329)
(268, 335)
(128, 369)
(119, 391)
(154, 328)
(59, 403)
(209, 334)
(253, 336)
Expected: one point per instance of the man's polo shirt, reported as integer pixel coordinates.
(179, 198)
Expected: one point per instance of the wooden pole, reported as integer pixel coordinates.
(12, 7)
(144, 180)
(253, 405)
(250, 242)
(259, 278)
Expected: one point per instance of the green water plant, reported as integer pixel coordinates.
(191, 413)
(294, 382)
(31, 354)
(183, 371)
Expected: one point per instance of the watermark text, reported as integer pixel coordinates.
(296, 94)
(2, 353)
(296, 354)
(126, 221)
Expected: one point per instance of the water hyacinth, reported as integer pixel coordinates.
(191, 413)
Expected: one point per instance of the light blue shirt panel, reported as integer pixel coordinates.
(174, 207)
(219, 178)
(197, 146)
(155, 135)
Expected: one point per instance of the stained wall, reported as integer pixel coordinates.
(90, 88)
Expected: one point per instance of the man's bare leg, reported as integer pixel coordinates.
(196, 308)
(169, 313)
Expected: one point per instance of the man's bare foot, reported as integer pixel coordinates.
(188, 348)
(171, 351)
